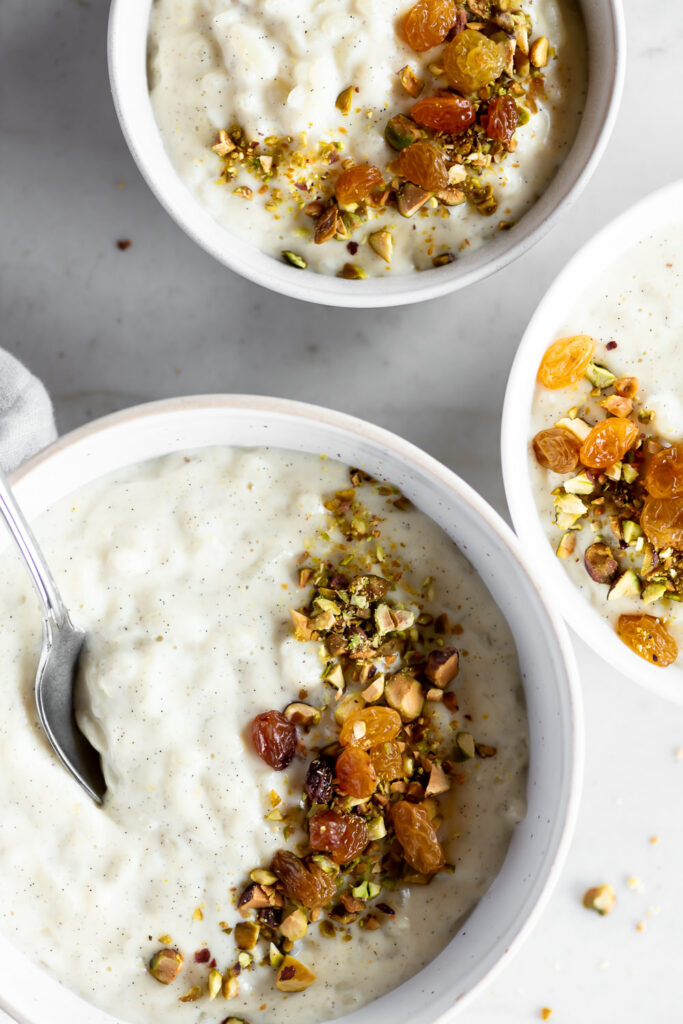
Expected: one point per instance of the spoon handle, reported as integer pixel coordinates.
(54, 608)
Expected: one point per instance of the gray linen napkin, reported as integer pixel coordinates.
(27, 421)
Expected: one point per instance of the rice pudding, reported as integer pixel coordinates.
(295, 127)
(185, 571)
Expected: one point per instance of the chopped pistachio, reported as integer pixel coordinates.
(347, 705)
(568, 508)
(539, 52)
(345, 99)
(599, 376)
(601, 565)
(360, 891)
(628, 585)
(566, 546)
(613, 472)
(400, 132)
(166, 965)
(411, 199)
(302, 714)
(335, 677)
(581, 484)
(294, 926)
(375, 689)
(246, 934)
(243, 191)
(442, 666)
(443, 259)
(328, 865)
(464, 742)
(630, 531)
(410, 82)
(214, 983)
(245, 960)
(294, 259)
(601, 898)
(404, 693)
(352, 272)
(653, 592)
(629, 473)
(192, 995)
(274, 955)
(260, 875)
(576, 425)
(382, 243)
(230, 986)
(376, 828)
(438, 782)
(197, 914)
(293, 976)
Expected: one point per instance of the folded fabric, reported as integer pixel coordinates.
(27, 421)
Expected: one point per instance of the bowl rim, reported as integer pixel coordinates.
(491, 521)
(601, 250)
(134, 112)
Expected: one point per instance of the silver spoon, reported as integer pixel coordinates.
(58, 666)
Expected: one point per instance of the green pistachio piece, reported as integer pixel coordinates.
(653, 592)
(599, 376)
(628, 585)
(630, 531)
(464, 742)
(629, 473)
(566, 546)
(601, 898)
(400, 132)
(294, 259)
(581, 484)
(166, 965)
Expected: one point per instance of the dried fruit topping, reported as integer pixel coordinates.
(608, 442)
(451, 114)
(355, 773)
(501, 119)
(306, 883)
(472, 60)
(428, 23)
(274, 739)
(369, 727)
(423, 164)
(664, 476)
(556, 449)
(166, 965)
(319, 778)
(343, 836)
(565, 361)
(648, 637)
(356, 183)
(601, 565)
(387, 760)
(417, 836)
(662, 521)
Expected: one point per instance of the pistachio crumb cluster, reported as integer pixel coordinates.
(625, 484)
(483, 78)
(383, 746)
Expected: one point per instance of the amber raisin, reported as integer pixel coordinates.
(450, 114)
(306, 883)
(423, 164)
(565, 361)
(501, 119)
(472, 60)
(319, 780)
(343, 836)
(664, 476)
(428, 23)
(274, 739)
(369, 726)
(608, 442)
(417, 836)
(649, 638)
(556, 449)
(662, 521)
(356, 183)
(355, 775)
(387, 761)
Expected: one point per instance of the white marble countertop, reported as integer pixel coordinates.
(106, 329)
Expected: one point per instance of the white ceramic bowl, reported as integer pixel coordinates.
(507, 911)
(549, 322)
(128, 72)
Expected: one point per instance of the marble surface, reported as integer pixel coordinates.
(107, 329)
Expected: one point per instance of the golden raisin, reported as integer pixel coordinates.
(423, 164)
(664, 476)
(556, 449)
(387, 761)
(428, 23)
(356, 183)
(649, 638)
(566, 361)
(472, 60)
(608, 442)
(501, 119)
(662, 521)
(306, 883)
(417, 836)
(274, 739)
(369, 726)
(355, 773)
(343, 836)
(451, 114)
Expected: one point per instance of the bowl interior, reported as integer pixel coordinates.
(128, 71)
(507, 910)
(550, 318)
